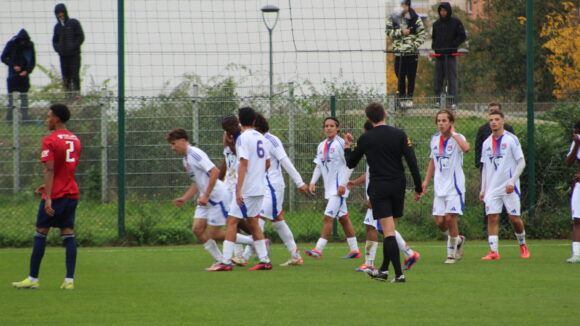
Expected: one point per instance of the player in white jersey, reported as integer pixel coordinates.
(211, 211)
(275, 185)
(331, 165)
(446, 164)
(574, 156)
(253, 161)
(371, 226)
(503, 163)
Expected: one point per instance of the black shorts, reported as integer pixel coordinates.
(64, 214)
(387, 200)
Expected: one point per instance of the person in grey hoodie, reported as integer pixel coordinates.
(19, 56)
(448, 34)
(66, 41)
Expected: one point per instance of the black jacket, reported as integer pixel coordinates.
(19, 51)
(482, 133)
(67, 38)
(448, 32)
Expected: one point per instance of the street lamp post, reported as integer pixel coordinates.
(268, 10)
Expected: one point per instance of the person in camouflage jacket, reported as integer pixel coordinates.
(407, 32)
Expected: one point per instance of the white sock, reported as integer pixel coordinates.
(352, 244)
(575, 248)
(261, 250)
(370, 252)
(320, 244)
(68, 280)
(238, 250)
(262, 223)
(248, 252)
(244, 239)
(408, 252)
(228, 252)
(521, 237)
(493, 243)
(287, 237)
(452, 246)
(33, 279)
(212, 247)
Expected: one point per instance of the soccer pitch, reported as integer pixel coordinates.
(168, 286)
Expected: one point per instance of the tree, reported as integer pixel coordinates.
(563, 42)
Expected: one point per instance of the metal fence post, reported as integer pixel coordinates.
(104, 150)
(333, 114)
(121, 117)
(16, 147)
(531, 164)
(195, 115)
(391, 109)
(292, 139)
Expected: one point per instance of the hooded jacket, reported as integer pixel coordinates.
(19, 54)
(68, 37)
(448, 32)
(411, 42)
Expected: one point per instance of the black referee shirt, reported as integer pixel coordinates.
(384, 147)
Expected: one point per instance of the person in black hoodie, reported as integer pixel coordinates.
(19, 56)
(66, 41)
(448, 34)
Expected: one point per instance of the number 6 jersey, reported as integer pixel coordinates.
(64, 148)
(251, 145)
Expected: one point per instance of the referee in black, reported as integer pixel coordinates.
(384, 147)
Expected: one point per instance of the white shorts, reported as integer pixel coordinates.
(493, 205)
(575, 201)
(251, 208)
(369, 220)
(214, 212)
(273, 202)
(336, 207)
(451, 204)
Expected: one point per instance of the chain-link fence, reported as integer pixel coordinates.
(154, 174)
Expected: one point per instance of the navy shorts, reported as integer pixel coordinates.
(64, 214)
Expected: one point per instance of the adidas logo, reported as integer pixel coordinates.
(514, 211)
(330, 212)
(453, 209)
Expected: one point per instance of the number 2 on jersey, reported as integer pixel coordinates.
(70, 149)
(260, 149)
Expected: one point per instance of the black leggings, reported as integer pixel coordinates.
(406, 67)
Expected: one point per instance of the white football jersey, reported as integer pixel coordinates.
(277, 153)
(197, 164)
(570, 151)
(499, 158)
(330, 159)
(448, 158)
(231, 177)
(251, 145)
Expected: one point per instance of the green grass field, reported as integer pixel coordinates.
(168, 286)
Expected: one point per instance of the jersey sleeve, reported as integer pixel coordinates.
(481, 158)
(432, 151)
(242, 148)
(517, 150)
(47, 153)
(277, 150)
(317, 159)
(205, 163)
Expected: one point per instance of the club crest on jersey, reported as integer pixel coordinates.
(503, 146)
(449, 149)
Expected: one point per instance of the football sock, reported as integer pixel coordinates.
(493, 243)
(352, 244)
(37, 254)
(212, 247)
(392, 249)
(575, 248)
(287, 237)
(446, 232)
(261, 222)
(452, 246)
(370, 252)
(228, 252)
(244, 239)
(320, 244)
(408, 252)
(261, 250)
(69, 242)
(521, 237)
(68, 280)
(248, 251)
(238, 250)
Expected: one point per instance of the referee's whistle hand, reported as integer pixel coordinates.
(348, 139)
(417, 196)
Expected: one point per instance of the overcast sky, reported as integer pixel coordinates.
(167, 39)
